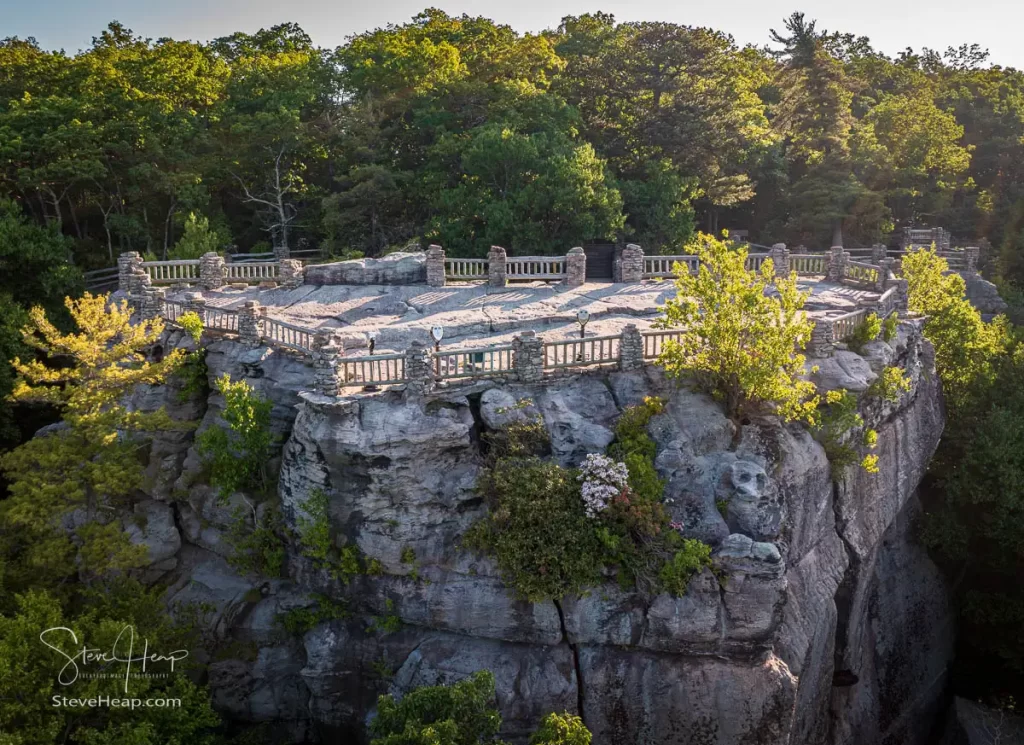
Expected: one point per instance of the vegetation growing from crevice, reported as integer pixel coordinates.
(866, 332)
(237, 453)
(556, 531)
(839, 428)
(298, 621)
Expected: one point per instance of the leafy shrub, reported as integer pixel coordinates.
(389, 623)
(258, 545)
(408, 555)
(237, 454)
(561, 729)
(519, 439)
(192, 324)
(460, 714)
(538, 531)
(194, 376)
(866, 332)
(685, 563)
(300, 620)
(835, 429)
(636, 449)
(889, 326)
(890, 384)
(737, 341)
(198, 238)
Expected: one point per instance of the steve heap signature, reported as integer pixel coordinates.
(122, 650)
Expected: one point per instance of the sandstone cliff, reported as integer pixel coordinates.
(824, 622)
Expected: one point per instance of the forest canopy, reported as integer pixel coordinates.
(464, 132)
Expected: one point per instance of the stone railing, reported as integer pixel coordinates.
(663, 267)
(210, 272)
(862, 273)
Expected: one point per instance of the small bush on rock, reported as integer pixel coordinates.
(690, 559)
(561, 729)
(866, 332)
(237, 454)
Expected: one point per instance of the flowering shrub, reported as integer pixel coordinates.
(603, 480)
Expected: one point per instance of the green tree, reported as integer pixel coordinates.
(90, 462)
(197, 239)
(736, 340)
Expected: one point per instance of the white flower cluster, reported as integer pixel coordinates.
(603, 480)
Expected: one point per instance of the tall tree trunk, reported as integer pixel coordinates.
(837, 233)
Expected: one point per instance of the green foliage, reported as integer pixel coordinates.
(389, 623)
(298, 621)
(460, 714)
(90, 462)
(258, 541)
(890, 384)
(966, 347)
(193, 376)
(868, 331)
(316, 544)
(634, 447)
(836, 428)
(408, 555)
(237, 454)
(197, 239)
(537, 530)
(192, 324)
(561, 729)
(690, 559)
(889, 326)
(737, 341)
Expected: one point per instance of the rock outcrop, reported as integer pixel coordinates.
(823, 622)
(393, 269)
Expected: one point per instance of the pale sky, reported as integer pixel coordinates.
(891, 25)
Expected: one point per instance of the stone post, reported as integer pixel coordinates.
(292, 273)
(497, 267)
(154, 304)
(836, 264)
(822, 339)
(211, 270)
(138, 283)
(878, 253)
(631, 348)
(528, 357)
(902, 294)
(281, 253)
(196, 303)
(971, 257)
(419, 371)
(884, 270)
(435, 266)
(327, 353)
(780, 259)
(632, 269)
(126, 264)
(250, 324)
(575, 267)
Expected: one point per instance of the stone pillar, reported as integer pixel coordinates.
(822, 338)
(435, 266)
(327, 353)
(528, 357)
(292, 273)
(211, 270)
(836, 264)
(126, 264)
(138, 283)
(497, 267)
(196, 303)
(281, 253)
(631, 348)
(878, 252)
(154, 304)
(575, 267)
(884, 272)
(780, 259)
(902, 294)
(419, 371)
(632, 269)
(971, 257)
(250, 324)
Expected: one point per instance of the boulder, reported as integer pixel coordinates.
(397, 268)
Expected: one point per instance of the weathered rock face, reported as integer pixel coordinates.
(984, 295)
(813, 576)
(393, 269)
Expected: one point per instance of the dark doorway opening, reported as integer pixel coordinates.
(600, 262)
